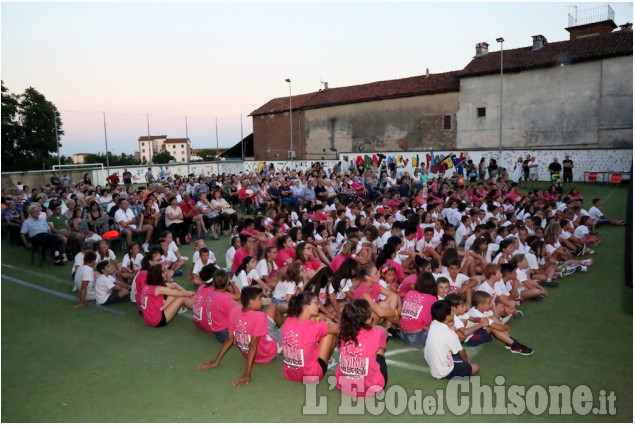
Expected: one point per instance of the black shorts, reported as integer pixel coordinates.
(382, 367)
(163, 321)
(460, 369)
(323, 365)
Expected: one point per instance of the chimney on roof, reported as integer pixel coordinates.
(592, 29)
(427, 72)
(626, 27)
(481, 49)
(326, 85)
(539, 42)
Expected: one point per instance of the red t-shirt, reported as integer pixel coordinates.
(151, 306)
(211, 309)
(239, 256)
(140, 283)
(398, 269)
(283, 255)
(416, 311)
(244, 326)
(362, 289)
(358, 373)
(337, 262)
(300, 351)
(404, 287)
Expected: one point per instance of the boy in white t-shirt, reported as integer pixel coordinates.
(85, 280)
(599, 217)
(459, 282)
(504, 300)
(206, 257)
(442, 343)
(484, 309)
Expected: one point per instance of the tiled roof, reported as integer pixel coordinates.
(412, 86)
(148, 138)
(618, 43)
(174, 141)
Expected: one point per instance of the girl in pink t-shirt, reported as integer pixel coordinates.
(416, 312)
(307, 341)
(161, 301)
(321, 285)
(386, 311)
(139, 282)
(213, 303)
(362, 370)
(255, 334)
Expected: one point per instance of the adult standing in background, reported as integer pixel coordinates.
(492, 168)
(517, 172)
(482, 168)
(533, 169)
(149, 176)
(567, 172)
(526, 167)
(554, 169)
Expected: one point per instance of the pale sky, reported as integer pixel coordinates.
(208, 60)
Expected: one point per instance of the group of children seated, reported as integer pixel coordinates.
(438, 276)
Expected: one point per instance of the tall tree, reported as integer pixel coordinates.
(162, 158)
(31, 121)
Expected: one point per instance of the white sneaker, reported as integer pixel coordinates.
(583, 269)
(332, 363)
(145, 247)
(64, 257)
(586, 262)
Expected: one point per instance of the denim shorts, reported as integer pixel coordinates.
(221, 336)
(416, 339)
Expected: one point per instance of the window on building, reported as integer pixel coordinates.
(143, 143)
(447, 122)
(143, 150)
(182, 152)
(480, 112)
(173, 146)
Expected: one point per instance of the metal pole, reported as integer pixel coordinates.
(106, 139)
(57, 140)
(149, 144)
(500, 129)
(187, 147)
(217, 158)
(288, 80)
(242, 139)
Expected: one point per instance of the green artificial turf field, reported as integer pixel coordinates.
(104, 365)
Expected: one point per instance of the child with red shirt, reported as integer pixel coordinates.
(307, 342)
(161, 301)
(253, 331)
(213, 303)
(415, 312)
(362, 370)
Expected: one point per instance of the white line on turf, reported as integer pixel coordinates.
(400, 350)
(406, 365)
(42, 275)
(60, 294)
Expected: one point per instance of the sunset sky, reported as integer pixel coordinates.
(216, 61)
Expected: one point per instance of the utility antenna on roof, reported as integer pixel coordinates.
(575, 15)
(325, 84)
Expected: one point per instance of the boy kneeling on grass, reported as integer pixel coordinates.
(254, 332)
(442, 343)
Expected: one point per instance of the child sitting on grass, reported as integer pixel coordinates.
(213, 303)
(254, 332)
(504, 302)
(483, 307)
(442, 343)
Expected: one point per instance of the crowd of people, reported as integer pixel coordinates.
(327, 261)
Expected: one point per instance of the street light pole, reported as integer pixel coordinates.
(288, 80)
(500, 124)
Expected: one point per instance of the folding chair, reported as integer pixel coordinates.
(592, 177)
(616, 178)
